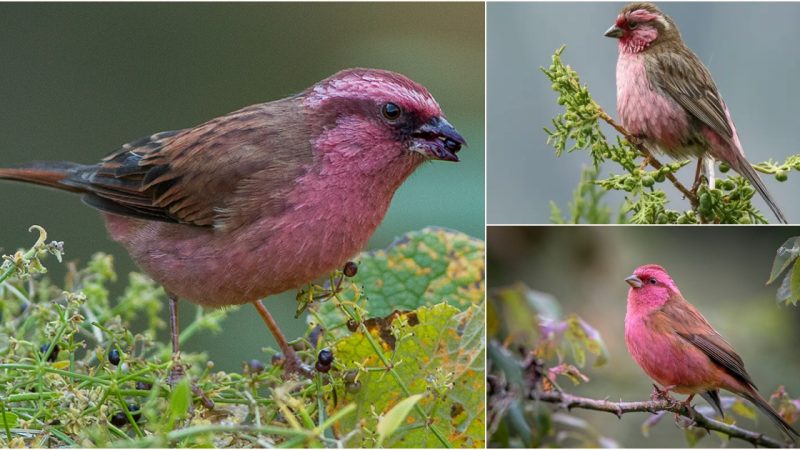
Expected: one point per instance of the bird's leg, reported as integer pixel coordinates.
(688, 402)
(705, 168)
(292, 363)
(178, 370)
(697, 174)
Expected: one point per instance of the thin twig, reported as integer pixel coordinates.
(651, 160)
(569, 401)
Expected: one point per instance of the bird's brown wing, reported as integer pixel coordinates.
(205, 176)
(681, 74)
(690, 325)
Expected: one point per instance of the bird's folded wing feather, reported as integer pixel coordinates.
(691, 326)
(204, 176)
(682, 75)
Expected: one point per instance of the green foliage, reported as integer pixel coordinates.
(579, 128)
(586, 202)
(786, 260)
(417, 330)
(539, 346)
(58, 387)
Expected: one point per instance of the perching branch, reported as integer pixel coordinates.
(569, 401)
(648, 155)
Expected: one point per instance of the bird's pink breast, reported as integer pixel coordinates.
(667, 358)
(644, 111)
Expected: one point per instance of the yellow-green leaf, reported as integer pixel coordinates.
(419, 268)
(8, 420)
(392, 420)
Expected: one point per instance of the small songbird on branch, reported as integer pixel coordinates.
(675, 345)
(667, 98)
(266, 198)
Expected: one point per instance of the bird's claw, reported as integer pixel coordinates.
(177, 373)
(662, 394)
(293, 365)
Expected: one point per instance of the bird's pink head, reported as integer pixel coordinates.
(640, 26)
(651, 287)
(385, 110)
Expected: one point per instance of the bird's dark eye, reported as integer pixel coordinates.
(632, 25)
(391, 111)
(652, 281)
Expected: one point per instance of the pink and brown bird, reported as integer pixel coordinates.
(667, 98)
(266, 198)
(677, 347)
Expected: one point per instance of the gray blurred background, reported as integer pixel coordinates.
(750, 48)
(720, 270)
(79, 80)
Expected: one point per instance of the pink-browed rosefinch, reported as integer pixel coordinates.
(675, 345)
(667, 98)
(264, 199)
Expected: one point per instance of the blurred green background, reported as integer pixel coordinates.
(720, 270)
(79, 80)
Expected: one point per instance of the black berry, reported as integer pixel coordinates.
(113, 356)
(322, 368)
(325, 357)
(143, 386)
(120, 419)
(353, 387)
(350, 269)
(53, 355)
(256, 366)
(350, 376)
(352, 325)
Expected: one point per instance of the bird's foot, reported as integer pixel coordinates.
(688, 402)
(293, 365)
(177, 372)
(662, 394)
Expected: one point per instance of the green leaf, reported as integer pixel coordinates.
(8, 420)
(389, 422)
(784, 256)
(580, 336)
(545, 304)
(789, 290)
(795, 285)
(180, 399)
(516, 311)
(440, 351)
(744, 409)
(420, 268)
(694, 435)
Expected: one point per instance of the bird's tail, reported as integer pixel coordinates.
(44, 173)
(747, 171)
(759, 401)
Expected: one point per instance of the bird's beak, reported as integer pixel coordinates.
(634, 281)
(613, 32)
(437, 139)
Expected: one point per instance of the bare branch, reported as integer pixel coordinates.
(569, 401)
